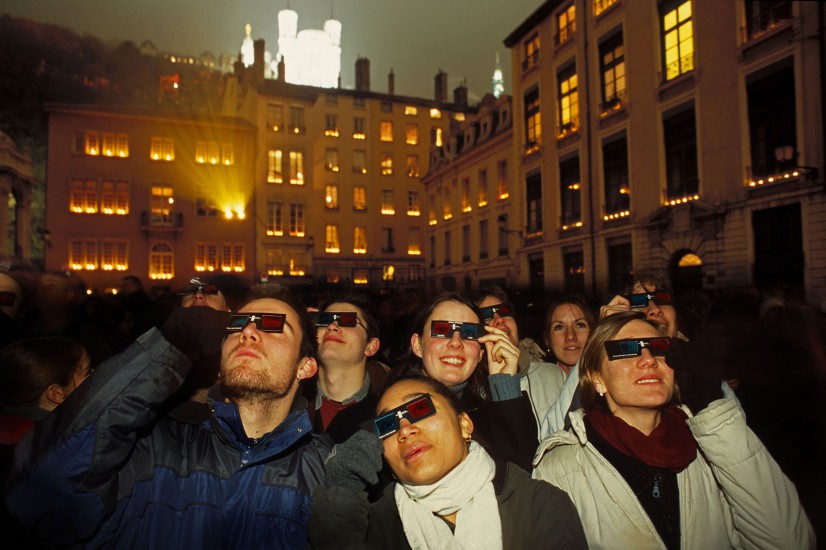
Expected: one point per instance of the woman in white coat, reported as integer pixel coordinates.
(644, 473)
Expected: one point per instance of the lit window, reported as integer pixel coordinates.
(431, 210)
(108, 148)
(533, 123)
(483, 188)
(232, 257)
(436, 136)
(160, 207)
(331, 126)
(275, 117)
(602, 5)
(360, 276)
(332, 276)
(83, 254)
(387, 206)
(87, 143)
(413, 166)
(331, 160)
(208, 152)
(227, 154)
(274, 159)
(296, 168)
(83, 198)
(531, 52)
(297, 120)
(410, 110)
(331, 243)
(275, 220)
(435, 113)
(161, 262)
(162, 148)
(447, 203)
(459, 117)
(114, 198)
(502, 187)
(360, 240)
(412, 134)
(414, 242)
(612, 69)
(359, 161)
(388, 273)
(568, 102)
(565, 25)
(114, 255)
(386, 164)
(677, 37)
(296, 220)
(359, 198)
(466, 207)
(331, 197)
(386, 131)
(358, 128)
(296, 270)
(413, 208)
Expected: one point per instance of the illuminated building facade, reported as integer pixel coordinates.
(153, 193)
(472, 217)
(16, 182)
(339, 199)
(701, 157)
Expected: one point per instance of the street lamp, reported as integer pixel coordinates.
(502, 221)
(786, 155)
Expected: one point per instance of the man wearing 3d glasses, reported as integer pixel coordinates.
(107, 470)
(343, 395)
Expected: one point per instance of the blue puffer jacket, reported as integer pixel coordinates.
(107, 469)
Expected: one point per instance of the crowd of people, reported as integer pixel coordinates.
(248, 416)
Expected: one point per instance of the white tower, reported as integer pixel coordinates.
(247, 48)
(498, 81)
(312, 56)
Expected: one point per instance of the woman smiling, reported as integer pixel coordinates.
(644, 473)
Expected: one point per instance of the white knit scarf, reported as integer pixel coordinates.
(468, 488)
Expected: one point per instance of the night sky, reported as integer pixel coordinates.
(415, 38)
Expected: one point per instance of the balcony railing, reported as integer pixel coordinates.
(767, 20)
(173, 221)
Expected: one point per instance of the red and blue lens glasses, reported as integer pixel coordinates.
(203, 289)
(632, 347)
(467, 331)
(661, 297)
(417, 409)
(264, 322)
(343, 318)
(503, 309)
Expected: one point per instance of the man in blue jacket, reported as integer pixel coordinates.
(109, 469)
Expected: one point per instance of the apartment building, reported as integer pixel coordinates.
(338, 195)
(474, 223)
(16, 185)
(159, 194)
(679, 135)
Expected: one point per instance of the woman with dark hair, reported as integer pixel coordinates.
(479, 363)
(644, 473)
(449, 492)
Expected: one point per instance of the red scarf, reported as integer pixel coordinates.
(669, 447)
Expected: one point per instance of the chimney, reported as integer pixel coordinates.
(391, 83)
(258, 59)
(441, 87)
(460, 94)
(362, 74)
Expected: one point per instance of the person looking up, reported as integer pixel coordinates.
(448, 491)
(451, 344)
(343, 394)
(240, 476)
(659, 458)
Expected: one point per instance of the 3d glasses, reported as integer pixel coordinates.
(343, 318)
(204, 289)
(414, 410)
(7, 299)
(632, 347)
(264, 322)
(467, 331)
(504, 310)
(661, 297)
